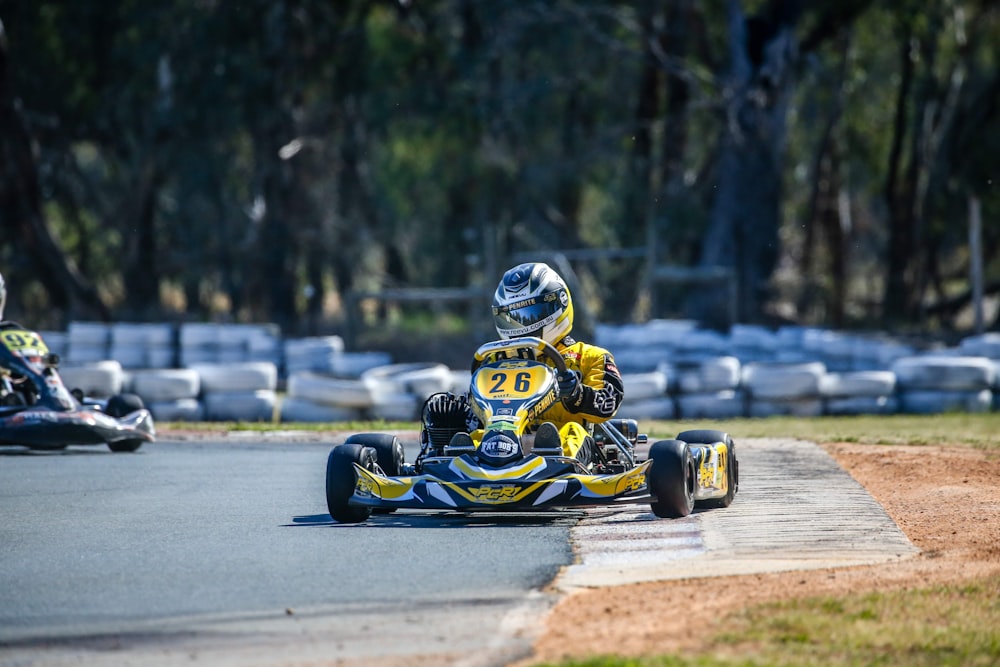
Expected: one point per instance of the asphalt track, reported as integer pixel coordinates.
(223, 552)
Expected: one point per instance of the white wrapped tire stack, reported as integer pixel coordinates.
(98, 379)
(941, 382)
(314, 353)
(399, 390)
(646, 396)
(859, 393)
(87, 342)
(143, 345)
(791, 389)
(238, 391)
(316, 397)
(198, 343)
(461, 381)
(170, 394)
(709, 388)
(354, 364)
(295, 409)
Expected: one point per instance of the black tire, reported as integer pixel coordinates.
(388, 454)
(118, 406)
(125, 446)
(388, 450)
(709, 436)
(704, 436)
(671, 479)
(340, 481)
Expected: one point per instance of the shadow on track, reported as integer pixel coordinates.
(20, 450)
(443, 519)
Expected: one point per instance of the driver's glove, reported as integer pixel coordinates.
(570, 387)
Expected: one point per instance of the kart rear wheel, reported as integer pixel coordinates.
(671, 479)
(118, 406)
(707, 437)
(340, 481)
(388, 454)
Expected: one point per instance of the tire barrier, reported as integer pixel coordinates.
(651, 408)
(940, 372)
(937, 401)
(726, 404)
(247, 376)
(165, 385)
(330, 391)
(710, 375)
(98, 379)
(354, 364)
(255, 406)
(644, 386)
(87, 342)
(418, 379)
(859, 393)
(296, 409)
(180, 410)
(142, 345)
(672, 369)
(318, 353)
(861, 405)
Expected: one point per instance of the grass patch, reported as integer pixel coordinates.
(975, 430)
(942, 626)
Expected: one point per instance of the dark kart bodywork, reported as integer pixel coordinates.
(43, 414)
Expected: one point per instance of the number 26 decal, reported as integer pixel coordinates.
(522, 382)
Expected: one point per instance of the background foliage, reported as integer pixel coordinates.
(262, 160)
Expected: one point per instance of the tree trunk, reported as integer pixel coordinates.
(745, 216)
(21, 212)
(898, 296)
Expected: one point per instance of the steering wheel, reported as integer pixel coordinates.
(513, 346)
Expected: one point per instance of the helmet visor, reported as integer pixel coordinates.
(527, 317)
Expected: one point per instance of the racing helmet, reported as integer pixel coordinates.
(533, 300)
(3, 295)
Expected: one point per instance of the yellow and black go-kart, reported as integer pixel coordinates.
(513, 384)
(38, 411)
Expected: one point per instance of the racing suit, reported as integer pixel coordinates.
(601, 395)
(15, 389)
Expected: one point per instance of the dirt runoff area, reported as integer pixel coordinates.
(946, 500)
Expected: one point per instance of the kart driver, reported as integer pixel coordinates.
(12, 385)
(15, 388)
(533, 300)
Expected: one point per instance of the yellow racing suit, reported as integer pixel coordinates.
(603, 391)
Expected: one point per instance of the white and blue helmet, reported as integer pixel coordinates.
(533, 300)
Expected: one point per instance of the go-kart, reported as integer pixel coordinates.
(513, 384)
(38, 411)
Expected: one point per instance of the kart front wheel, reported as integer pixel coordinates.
(118, 406)
(671, 479)
(340, 481)
(388, 455)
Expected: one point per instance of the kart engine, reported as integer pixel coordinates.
(442, 416)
